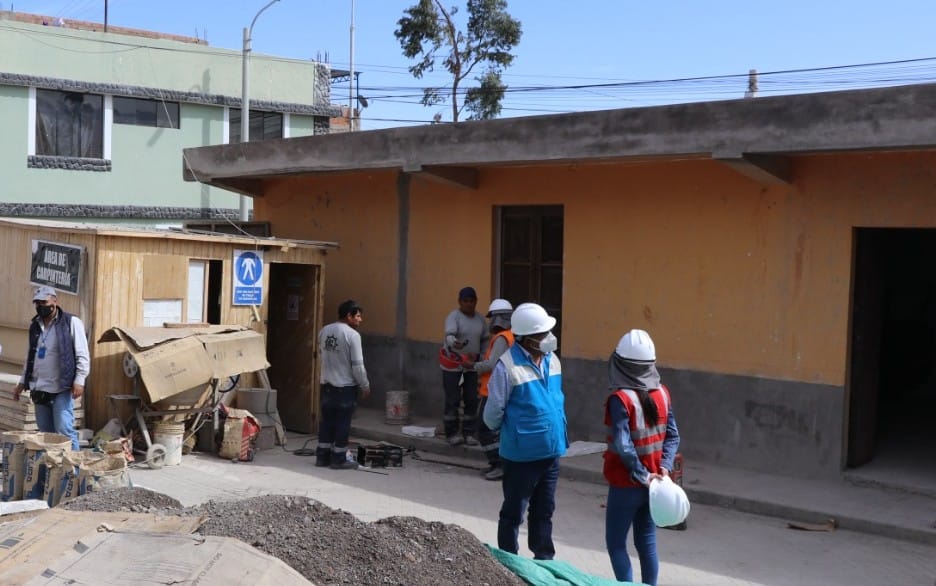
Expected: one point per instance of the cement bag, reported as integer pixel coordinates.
(120, 446)
(104, 474)
(14, 463)
(63, 473)
(240, 436)
(36, 447)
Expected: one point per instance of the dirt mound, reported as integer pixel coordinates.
(136, 500)
(329, 546)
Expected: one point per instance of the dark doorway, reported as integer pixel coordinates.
(213, 305)
(892, 386)
(292, 332)
(531, 257)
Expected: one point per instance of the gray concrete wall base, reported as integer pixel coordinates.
(781, 427)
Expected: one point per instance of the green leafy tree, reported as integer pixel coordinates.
(428, 31)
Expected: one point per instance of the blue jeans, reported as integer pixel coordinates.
(530, 484)
(59, 417)
(337, 408)
(626, 507)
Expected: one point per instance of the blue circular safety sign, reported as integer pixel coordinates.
(248, 268)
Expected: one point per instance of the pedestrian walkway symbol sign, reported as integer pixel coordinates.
(248, 277)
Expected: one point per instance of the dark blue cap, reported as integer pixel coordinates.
(467, 293)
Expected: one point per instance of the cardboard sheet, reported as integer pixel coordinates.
(130, 559)
(30, 544)
(174, 361)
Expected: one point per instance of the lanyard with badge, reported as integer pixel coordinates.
(40, 353)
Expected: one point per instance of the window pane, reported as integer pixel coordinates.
(551, 286)
(552, 239)
(263, 125)
(167, 114)
(134, 111)
(69, 124)
(516, 239)
(515, 283)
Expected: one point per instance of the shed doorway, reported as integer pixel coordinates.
(892, 382)
(292, 332)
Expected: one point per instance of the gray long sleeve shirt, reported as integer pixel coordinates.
(342, 356)
(470, 331)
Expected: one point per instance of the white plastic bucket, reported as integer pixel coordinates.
(170, 435)
(397, 408)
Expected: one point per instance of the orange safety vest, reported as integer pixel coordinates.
(648, 439)
(485, 377)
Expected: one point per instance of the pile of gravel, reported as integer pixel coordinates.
(329, 546)
(135, 500)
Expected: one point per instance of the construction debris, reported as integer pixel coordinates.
(330, 546)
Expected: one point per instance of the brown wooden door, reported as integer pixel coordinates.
(531, 257)
(292, 335)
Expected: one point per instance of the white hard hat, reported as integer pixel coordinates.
(636, 345)
(530, 318)
(669, 504)
(499, 306)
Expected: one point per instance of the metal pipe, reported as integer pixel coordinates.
(245, 96)
(351, 76)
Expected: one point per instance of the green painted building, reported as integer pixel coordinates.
(94, 123)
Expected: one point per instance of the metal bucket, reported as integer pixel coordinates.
(397, 408)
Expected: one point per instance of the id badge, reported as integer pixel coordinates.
(40, 353)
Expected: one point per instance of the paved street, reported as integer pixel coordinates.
(721, 547)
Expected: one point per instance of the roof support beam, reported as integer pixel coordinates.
(765, 169)
(463, 177)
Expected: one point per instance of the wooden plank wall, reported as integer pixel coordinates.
(120, 285)
(16, 308)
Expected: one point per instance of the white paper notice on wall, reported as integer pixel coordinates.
(156, 312)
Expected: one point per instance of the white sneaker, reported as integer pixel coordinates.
(455, 440)
(472, 441)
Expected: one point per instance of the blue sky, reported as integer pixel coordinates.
(566, 43)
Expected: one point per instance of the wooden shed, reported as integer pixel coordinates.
(112, 275)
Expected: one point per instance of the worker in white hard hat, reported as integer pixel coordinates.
(502, 339)
(642, 443)
(525, 402)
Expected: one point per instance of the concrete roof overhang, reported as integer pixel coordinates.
(755, 136)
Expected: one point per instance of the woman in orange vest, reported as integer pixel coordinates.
(502, 339)
(642, 443)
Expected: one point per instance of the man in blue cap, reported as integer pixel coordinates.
(57, 364)
(465, 335)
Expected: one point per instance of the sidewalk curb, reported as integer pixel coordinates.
(593, 474)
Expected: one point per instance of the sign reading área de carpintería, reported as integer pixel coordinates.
(56, 265)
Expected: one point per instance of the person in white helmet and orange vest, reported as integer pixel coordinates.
(526, 403)
(642, 443)
(501, 340)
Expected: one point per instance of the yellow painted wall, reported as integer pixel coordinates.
(360, 213)
(727, 275)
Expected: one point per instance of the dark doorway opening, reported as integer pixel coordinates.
(213, 305)
(892, 386)
(530, 263)
(292, 332)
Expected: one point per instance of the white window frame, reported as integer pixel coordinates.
(105, 134)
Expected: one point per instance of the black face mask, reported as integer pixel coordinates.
(44, 311)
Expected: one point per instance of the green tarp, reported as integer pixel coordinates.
(549, 572)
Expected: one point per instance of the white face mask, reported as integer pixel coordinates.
(548, 344)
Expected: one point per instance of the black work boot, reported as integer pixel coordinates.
(340, 461)
(322, 457)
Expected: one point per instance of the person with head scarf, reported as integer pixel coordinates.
(642, 443)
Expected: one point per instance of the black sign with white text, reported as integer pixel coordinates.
(56, 265)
